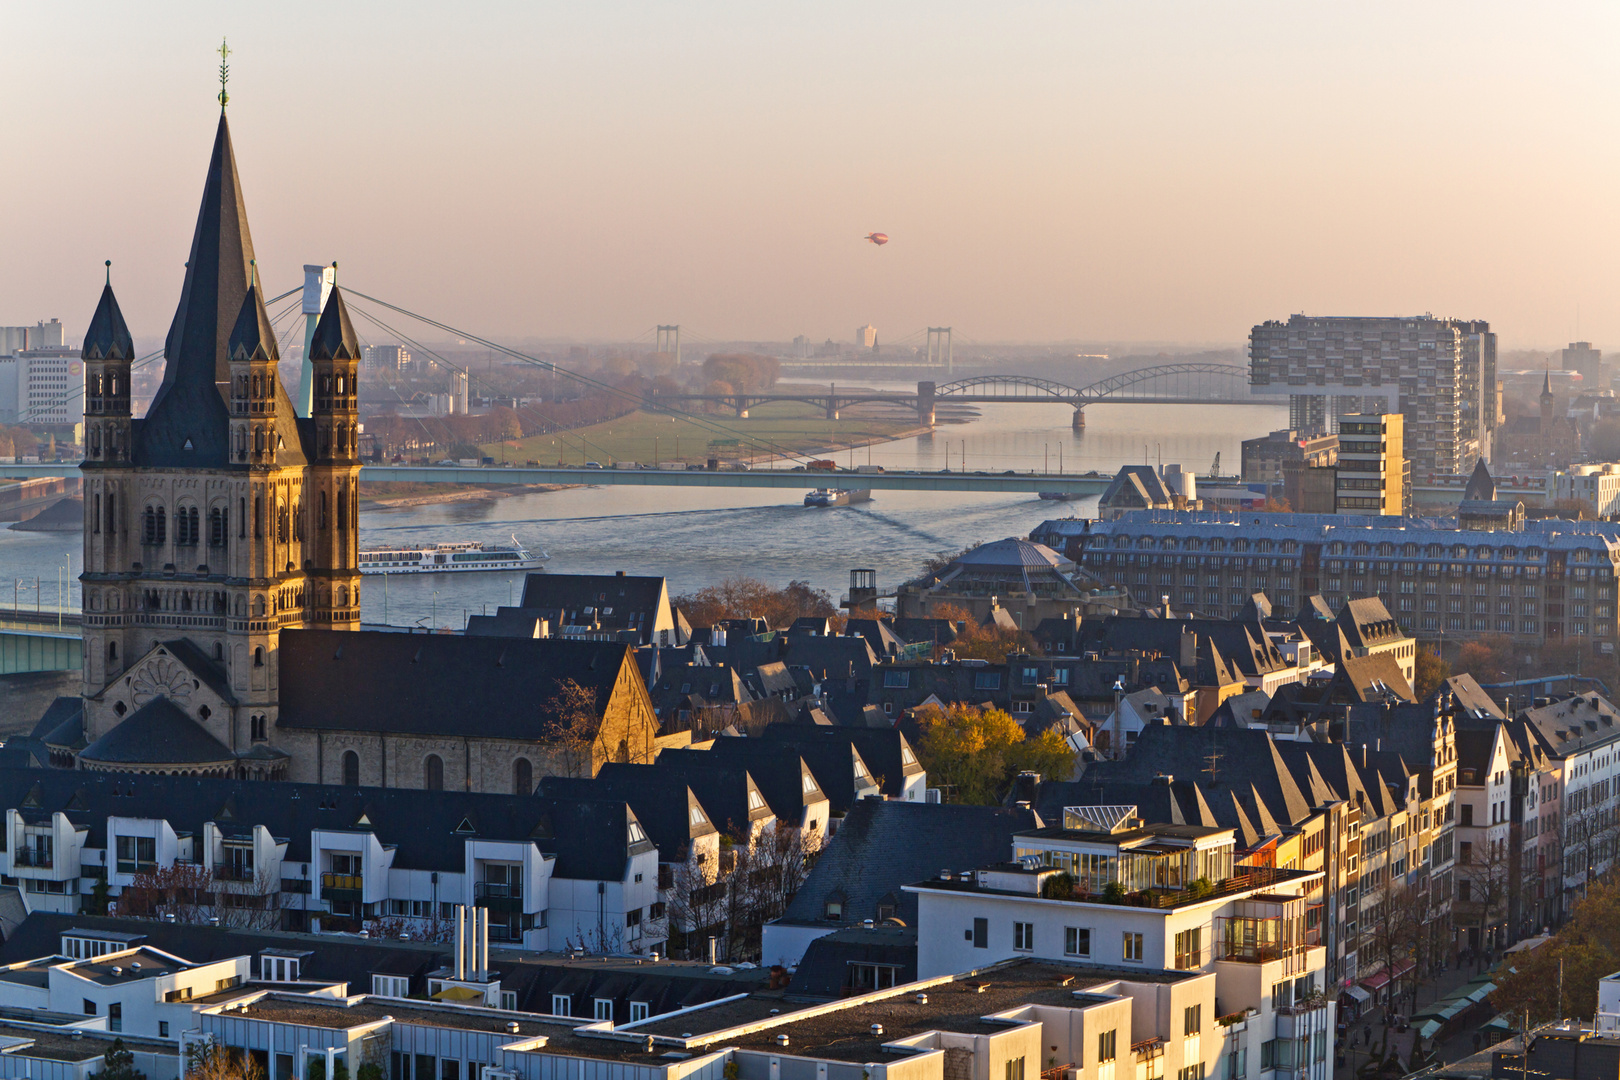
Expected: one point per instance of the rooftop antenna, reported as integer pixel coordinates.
(224, 74)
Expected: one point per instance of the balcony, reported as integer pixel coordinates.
(235, 872)
(35, 857)
(499, 895)
(342, 887)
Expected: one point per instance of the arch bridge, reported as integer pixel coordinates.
(1191, 383)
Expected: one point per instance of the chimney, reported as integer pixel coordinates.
(461, 943)
(483, 947)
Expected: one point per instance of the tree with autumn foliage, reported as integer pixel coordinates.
(984, 641)
(1587, 948)
(976, 750)
(1429, 671)
(749, 598)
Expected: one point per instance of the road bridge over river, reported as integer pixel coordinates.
(1198, 383)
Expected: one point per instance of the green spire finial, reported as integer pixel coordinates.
(254, 272)
(109, 271)
(224, 73)
(334, 273)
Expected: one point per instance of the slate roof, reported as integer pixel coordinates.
(637, 601)
(188, 422)
(1481, 485)
(334, 337)
(840, 771)
(486, 687)
(663, 803)
(1572, 725)
(882, 845)
(1248, 767)
(888, 754)
(107, 338)
(63, 713)
(722, 787)
(1137, 485)
(1013, 551)
(157, 733)
(823, 971)
(590, 838)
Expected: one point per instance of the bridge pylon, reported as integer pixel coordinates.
(669, 341)
(1079, 421)
(925, 403)
(939, 352)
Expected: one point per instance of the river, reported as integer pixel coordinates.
(697, 537)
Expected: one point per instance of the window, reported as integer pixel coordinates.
(89, 1007)
(433, 773)
(1106, 1046)
(1015, 1068)
(1191, 1072)
(1190, 948)
(1023, 937)
(163, 1029)
(638, 1011)
(898, 680)
(561, 1005)
(987, 680)
(1237, 1064)
(390, 986)
(351, 769)
(136, 853)
(981, 933)
(604, 1008)
(522, 777)
(1133, 946)
(1192, 1019)
(115, 1016)
(1076, 941)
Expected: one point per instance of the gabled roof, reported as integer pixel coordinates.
(887, 752)
(663, 803)
(783, 778)
(157, 733)
(883, 844)
(1242, 760)
(590, 838)
(486, 687)
(61, 711)
(721, 786)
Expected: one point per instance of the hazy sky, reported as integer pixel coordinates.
(1090, 171)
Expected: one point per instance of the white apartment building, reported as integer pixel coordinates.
(1597, 485)
(1102, 888)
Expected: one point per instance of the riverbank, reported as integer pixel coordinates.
(773, 431)
(382, 496)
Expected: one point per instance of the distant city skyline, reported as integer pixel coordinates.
(1146, 173)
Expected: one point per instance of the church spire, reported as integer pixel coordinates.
(189, 406)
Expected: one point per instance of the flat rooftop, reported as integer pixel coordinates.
(62, 1046)
(960, 1005)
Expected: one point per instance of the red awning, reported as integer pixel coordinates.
(1379, 979)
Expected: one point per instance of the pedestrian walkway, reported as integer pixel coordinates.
(1376, 1031)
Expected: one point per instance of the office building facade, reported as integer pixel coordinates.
(1439, 373)
(1371, 476)
(1550, 582)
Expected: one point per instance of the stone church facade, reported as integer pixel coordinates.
(218, 521)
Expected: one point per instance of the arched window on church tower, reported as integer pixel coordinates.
(433, 773)
(351, 768)
(522, 777)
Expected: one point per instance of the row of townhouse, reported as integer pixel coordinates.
(591, 864)
(1373, 817)
(553, 873)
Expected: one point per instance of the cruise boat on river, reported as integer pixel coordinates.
(457, 558)
(837, 496)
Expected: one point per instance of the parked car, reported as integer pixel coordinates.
(593, 464)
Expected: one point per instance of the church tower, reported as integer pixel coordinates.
(198, 547)
(1547, 401)
(334, 354)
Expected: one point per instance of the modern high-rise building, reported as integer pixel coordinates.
(1440, 374)
(1372, 477)
(866, 337)
(1581, 357)
(387, 358)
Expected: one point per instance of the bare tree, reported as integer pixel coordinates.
(190, 893)
(1483, 882)
(571, 728)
